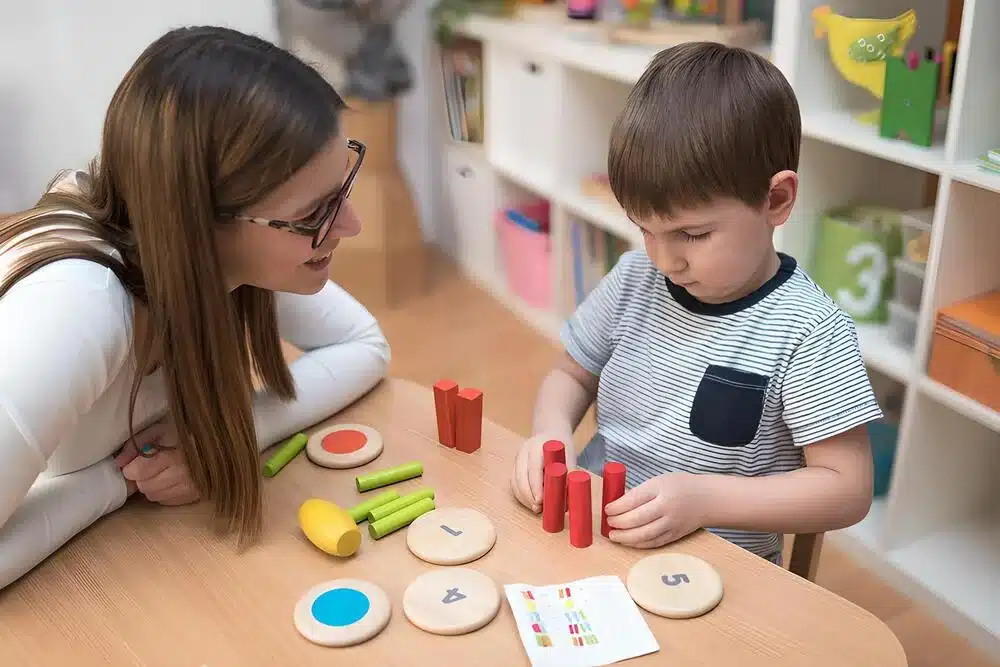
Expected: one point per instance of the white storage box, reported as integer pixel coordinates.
(902, 324)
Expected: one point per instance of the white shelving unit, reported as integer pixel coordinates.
(551, 96)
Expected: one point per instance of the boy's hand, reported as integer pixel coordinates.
(526, 480)
(659, 511)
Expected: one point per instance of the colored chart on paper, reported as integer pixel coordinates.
(584, 623)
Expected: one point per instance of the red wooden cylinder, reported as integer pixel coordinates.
(613, 489)
(554, 498)
(581, 518)
(553, 451)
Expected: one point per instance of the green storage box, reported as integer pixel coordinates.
(853, 260)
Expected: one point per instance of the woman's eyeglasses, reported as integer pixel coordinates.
(326, 215)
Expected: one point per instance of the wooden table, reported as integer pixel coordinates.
(152, 586)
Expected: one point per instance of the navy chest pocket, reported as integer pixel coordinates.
(728, 406)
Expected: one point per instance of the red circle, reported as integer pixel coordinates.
(344, 442)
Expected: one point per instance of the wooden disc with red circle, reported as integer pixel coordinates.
(344, 446)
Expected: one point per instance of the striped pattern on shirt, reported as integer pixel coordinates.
(734, 389)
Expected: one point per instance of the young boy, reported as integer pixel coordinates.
(728, 383)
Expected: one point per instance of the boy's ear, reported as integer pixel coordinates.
(781, 197)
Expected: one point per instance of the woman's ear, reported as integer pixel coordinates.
(781, 197)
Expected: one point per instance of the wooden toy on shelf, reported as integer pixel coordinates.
(909, 98)
(690, 20)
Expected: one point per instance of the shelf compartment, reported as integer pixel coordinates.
(591, 252)
(977, 87)
(832, 105)
(832, 177)
(590, 106)
(523, 125)
(943, 521)
(945, 475)
(522, 223)
(968, 263)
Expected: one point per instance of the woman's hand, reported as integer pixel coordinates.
(154, 465)
(526, 479)
(659, 511)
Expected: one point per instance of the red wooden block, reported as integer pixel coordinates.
(612, 490)
(553, 451)
(469, 420)
(554, 498)
(581, 518)
(445, 395)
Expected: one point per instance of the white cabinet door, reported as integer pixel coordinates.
(470, 191)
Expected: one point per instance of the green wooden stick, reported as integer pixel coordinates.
(382, 511)
(400, 473)
(404, 517)
(288, 450)
(360, 511)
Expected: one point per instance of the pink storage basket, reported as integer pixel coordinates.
(526, 256)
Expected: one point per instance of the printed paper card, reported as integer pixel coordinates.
(585, 623)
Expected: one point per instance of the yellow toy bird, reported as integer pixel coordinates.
(859, 47)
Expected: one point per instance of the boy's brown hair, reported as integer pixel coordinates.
(704, 121)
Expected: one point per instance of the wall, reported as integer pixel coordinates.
(419, 141)
(61, 60)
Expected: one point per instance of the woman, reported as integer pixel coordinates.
(139, 298)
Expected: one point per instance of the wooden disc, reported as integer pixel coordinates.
(344, 446)
(675, 585)
(451, 536)
(451, 601)
(342, 612)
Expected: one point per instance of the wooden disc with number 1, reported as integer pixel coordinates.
(344, 446)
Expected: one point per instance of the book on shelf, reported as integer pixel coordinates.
(462, 70)
(594, 252)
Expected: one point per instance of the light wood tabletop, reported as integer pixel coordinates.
(152, 586)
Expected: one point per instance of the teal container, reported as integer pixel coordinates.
(883, 438)
(854, 259)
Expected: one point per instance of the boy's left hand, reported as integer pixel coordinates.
(659, 511)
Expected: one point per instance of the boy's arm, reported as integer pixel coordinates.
(588, 337)
(563, 398)
(833, 491)
(827, 400)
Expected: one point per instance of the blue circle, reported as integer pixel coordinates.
(338, 607)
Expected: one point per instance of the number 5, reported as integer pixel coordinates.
(675, 579)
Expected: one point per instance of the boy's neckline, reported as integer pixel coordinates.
(786, 268)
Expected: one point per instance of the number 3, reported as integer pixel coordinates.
(869, 278)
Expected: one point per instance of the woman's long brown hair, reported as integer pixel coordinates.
(206, 122)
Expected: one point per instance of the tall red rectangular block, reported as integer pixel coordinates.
(613, 488)
(469, 420)
(581, 517)
(445, 399)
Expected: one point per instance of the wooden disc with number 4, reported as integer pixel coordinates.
(675, 585)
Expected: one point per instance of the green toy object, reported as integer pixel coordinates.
(911, 90)
(854, 254)
(875, 47)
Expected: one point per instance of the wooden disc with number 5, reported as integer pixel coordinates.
(675, 585)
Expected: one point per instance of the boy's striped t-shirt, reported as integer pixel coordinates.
(735, 388)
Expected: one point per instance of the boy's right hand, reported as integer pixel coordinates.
(526, 480)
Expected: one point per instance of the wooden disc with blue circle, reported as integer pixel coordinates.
(342, 612)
